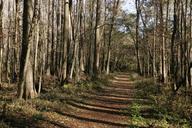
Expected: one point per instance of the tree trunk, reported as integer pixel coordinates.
(173, 65)
(67, 32)
(97, 39)
(154, 43)
(137, 3)
(1, 38)
(91, 46)
(163, 66)
(115, 10)
(26, 87)
(190, 48)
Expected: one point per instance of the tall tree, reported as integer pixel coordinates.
(97, 38)
(137, 3)
(162, 31)
(114, 13)
(1, 38)
(67, 36)
(26, 88)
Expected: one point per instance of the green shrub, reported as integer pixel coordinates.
(135, 110)
(38, 116)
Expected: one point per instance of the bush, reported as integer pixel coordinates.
(38, 116)
(147, 88)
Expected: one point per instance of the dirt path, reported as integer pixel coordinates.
(108, 108)
(116, 105)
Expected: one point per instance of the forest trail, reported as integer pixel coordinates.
(107, 108)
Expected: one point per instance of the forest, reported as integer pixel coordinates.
(95, 63)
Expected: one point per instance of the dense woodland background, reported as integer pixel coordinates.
(78, 40)
(59, 38)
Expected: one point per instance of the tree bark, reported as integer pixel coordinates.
(137, 3)
(97, 39)
(163, 59)
(26, 87)
(1, 38)
(114, 11)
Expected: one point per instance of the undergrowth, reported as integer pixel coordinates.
(169, 112)
(87, 85)
(32, 111)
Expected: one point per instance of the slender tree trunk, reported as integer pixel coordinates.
(104, 42)
(58, 43)
(190, 49)
(36, 42)
(53, 40)
(67, 27)
(137, 3)
(1, 38)
(97, 39)
(81, 47)
(173, 70)
(48, 70)
(115, 10)
(166, 42)
(186, 55)
(163, 59)
(91, 46)
(17, 39)
(154, 43)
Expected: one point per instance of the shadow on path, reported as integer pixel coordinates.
(109, 106)
(95, 120)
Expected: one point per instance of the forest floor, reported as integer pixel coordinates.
(114, 105)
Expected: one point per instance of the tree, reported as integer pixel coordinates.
(137, 3)
(26, 88)
(1, 39)
(114, 13)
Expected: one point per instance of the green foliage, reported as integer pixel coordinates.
(135, 110)
(87, 85)
(67, 86)
(95, 84)
(158, 123)
(137, 119)
(38, 116)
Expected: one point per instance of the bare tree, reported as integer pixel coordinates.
(26, 88)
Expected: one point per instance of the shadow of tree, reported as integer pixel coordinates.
(111, 100)
(95, 120)
(100, 105)
(98, 110)
(22, 121)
